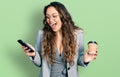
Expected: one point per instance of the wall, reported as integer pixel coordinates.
(21, 19)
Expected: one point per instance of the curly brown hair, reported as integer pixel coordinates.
(68, 36)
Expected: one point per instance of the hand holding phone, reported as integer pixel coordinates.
(24, 44)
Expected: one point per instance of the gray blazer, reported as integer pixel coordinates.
(45, 66)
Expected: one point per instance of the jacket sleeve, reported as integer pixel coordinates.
(80, 39)
(37, 59)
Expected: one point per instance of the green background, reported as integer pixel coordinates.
(21, 19)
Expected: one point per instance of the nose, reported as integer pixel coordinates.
(51, 19)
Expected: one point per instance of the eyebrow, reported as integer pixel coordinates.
(52, 14)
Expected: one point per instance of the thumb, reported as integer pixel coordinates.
(31, 46)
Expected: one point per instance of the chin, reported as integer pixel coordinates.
(54, 30)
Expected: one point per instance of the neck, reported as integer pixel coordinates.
(59, 34)
(58, 41)
(58, 38)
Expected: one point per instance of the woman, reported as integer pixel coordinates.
(59, 48)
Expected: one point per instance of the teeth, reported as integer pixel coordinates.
(53, 25)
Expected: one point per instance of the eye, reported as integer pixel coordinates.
(55, 16)
(46, 17)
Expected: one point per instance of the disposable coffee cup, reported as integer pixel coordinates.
(92, 46)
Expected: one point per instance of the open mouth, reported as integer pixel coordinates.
(53, 25)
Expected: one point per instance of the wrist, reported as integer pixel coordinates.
(86, 62)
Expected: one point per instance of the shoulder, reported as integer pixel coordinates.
(79, 34)
(40, 32)
(79, 31)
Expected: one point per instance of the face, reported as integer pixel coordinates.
(53, 19)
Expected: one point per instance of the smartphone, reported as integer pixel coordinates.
(24, 44)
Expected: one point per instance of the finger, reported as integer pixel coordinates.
(24, 48)
(87, 51)
(31, 46)
(93, 53)
(27, 51)
(94, 58)
(96, 53)
(30, 54)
